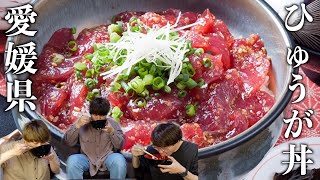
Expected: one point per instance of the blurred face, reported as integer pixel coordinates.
(95, 117)
(169, 150)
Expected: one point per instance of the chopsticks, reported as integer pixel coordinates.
(153, 157)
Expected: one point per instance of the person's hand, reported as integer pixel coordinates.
(109, 129)
(137, 150)
(19, 148)
(13, 136)
(174, 168)
(51, 156)
(83, 120)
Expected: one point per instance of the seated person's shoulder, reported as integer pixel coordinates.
(111, 120)
(7, 146)
(191, 146)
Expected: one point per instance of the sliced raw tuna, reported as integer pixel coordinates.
(153, 19)
(60, 39)
(64, 118)
(250, 59)
(192, 132)
(52, 100)
(212, 114)
(77, 99)
(211, 43)
(255, 106)
(208, 74)
(188, 18)
(170, 15)
(206, 23)
(119, 99)
(126, 16)
(163, 107)
(88, 37)
(137, 132)
(221, 28)
(48, 71)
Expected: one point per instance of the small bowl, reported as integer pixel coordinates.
(163, 160)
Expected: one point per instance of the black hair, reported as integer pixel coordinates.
(166, 134)
(99, 106)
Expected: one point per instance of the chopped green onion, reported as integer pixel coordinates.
(185, 77)
(145, 63)
(148, 79)
(120, 61)
(57, 58)
(72, 46)
(73, 30)
(96, 47)
(133, 20)
(90, 83)
(90, 96)
(117, 28)
(78, 74)
(167, 89)
(144, 93)
(136, 28)
(198, 51)
(207, 62)
(88, 56)
(153, 70)
(114, 19)
(191, 83)
(156, 94)
(107, 60)
(157, 83)
(182, 93)
(97, 68)
(190, 110)
(127, 88)
(90, 73)
(137, 84)
(191, 70)
(182, 77)
(115, 87)
(123, 77)
(94, 93)
(148, 98)
(201, 82)
(80, 66)
(140, 102)
(174, 34)
(142, 72)
(101, 61)
(114, 37)
(188, 69)
(103, 51)
(181, 85)
(189, 46)
(116, 113)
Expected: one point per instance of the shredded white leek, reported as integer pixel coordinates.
(140, 46)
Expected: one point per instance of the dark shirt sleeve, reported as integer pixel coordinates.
(194, 162)
(71, 137)
(144, 163)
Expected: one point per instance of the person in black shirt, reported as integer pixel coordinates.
(167, 141)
